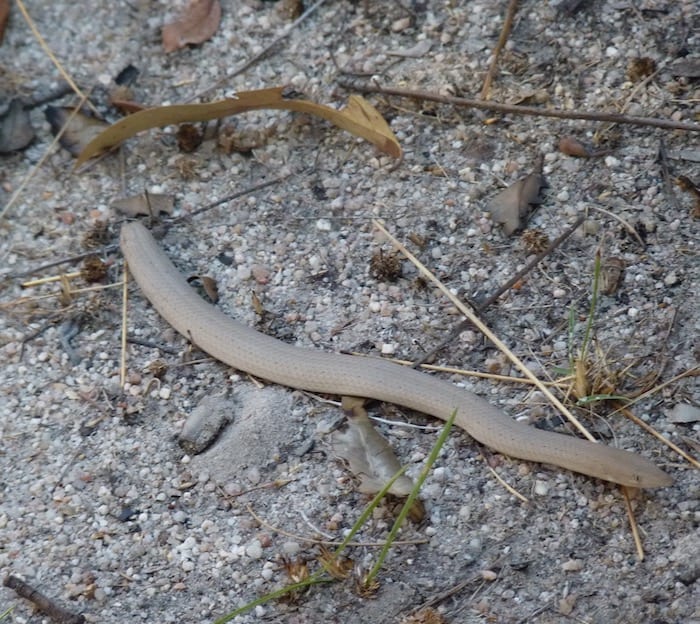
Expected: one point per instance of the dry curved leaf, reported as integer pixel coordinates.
(197, 23)
(146, 204)
(209, 285)
(4, 17)
(368, 454)
(512, 207)
(78, 130)
(359, 117)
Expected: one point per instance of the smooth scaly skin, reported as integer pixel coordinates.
(243, 348)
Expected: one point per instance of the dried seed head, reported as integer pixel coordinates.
(385, 267)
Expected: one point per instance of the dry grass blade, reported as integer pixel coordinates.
(486, 331)
(52, 56)
(125, 310)
(508, 487)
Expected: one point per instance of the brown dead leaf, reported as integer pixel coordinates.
(4, 17)
(685, 183)
(359, 117)
(368, 454)
(209, 285)
(688, 67)
(426, 615)
(16, 130)
(513, 206)
(80, 129)
(144, 204)
(196, 24)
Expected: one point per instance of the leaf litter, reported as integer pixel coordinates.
(196, 24)
(513, 206)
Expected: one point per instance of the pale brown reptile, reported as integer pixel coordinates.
(245, 349)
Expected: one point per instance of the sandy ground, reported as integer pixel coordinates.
(103, 511)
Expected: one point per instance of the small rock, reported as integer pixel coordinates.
(323, 225)
(541, 487)
(684, 413)
(401, 24)
(489, 575)
(572, 565)
(254, 549)
(291, 548)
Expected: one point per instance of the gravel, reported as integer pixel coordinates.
(102, 510)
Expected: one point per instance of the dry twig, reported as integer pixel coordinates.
(516, 109)
(505, 32)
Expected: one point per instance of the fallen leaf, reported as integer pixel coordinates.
(359, 117)
(684, 413)
(80, 129)
(146, 204)
(688, 67)
(368, 454)
(16, 130)
(417, 51)
(685, 183)
(197, 23)
(4, 17)
(513, 206)
(209, 285)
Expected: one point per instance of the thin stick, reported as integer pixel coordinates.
(505, 32)
(260, 56)
(633, 523)
(42, 602)
(516, 109)
(125, 310)
(626, 225)
(50, 54)
(486, 331)
(311, 540)
(510, 488)
(649, 429)
(48, 280)
(49, 265)
(453, 370)
(482, 305)
(110, 248)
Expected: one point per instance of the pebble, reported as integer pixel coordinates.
(572, 565)
(541, 487)
(254, 549)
